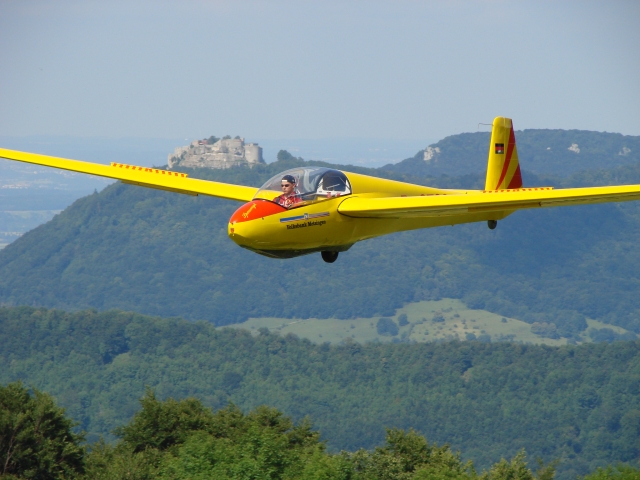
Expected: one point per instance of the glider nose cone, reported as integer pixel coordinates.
(234, 234)
(241, 233)
(241, 225)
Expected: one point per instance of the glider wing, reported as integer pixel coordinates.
(484, 201)
(142, 176)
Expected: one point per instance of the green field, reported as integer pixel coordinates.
(429, 321)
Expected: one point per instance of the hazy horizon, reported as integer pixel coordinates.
(154, 151)
(284, 69)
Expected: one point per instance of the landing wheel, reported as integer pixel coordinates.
(492, 224)
(329, 257)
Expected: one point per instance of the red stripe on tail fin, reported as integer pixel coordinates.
(516, 181)
(503, 168)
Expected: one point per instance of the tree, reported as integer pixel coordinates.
(403, 320)
(408, 455)
(264, 444)
(182, 439)
(36, 439)
(108, 462)
(608, 335)
(387, 327)
(517, 469)
(621, 472)
(284, 155)
(545, 329)
(161, 425)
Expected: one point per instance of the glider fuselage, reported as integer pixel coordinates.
(267, 228)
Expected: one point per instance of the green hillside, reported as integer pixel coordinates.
(578, 404)
(164, 254)
(543, 152)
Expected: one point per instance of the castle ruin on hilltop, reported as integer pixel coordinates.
(223, 153)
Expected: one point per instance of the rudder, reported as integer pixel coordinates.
(503, 168)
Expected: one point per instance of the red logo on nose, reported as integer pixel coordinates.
(255, 209)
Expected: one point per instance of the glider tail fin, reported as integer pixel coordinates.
(503, 169)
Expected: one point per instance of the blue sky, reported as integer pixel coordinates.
(396, 70)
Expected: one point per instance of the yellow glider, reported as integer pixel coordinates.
(317, 209)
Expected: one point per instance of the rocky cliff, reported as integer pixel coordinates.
(224, 153)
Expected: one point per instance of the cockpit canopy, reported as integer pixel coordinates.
(313, 184)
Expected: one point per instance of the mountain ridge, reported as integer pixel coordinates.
(541, 151)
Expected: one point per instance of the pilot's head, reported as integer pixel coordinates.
(288, 184)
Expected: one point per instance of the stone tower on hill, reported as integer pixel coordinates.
(225, 153)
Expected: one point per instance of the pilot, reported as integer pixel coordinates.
(289, 197)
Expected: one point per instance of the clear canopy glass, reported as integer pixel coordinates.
(311, 184)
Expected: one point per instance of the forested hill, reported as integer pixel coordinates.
(543, 152)
(580, 405)
(165, 254)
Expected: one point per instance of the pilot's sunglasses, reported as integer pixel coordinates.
(285, 185)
